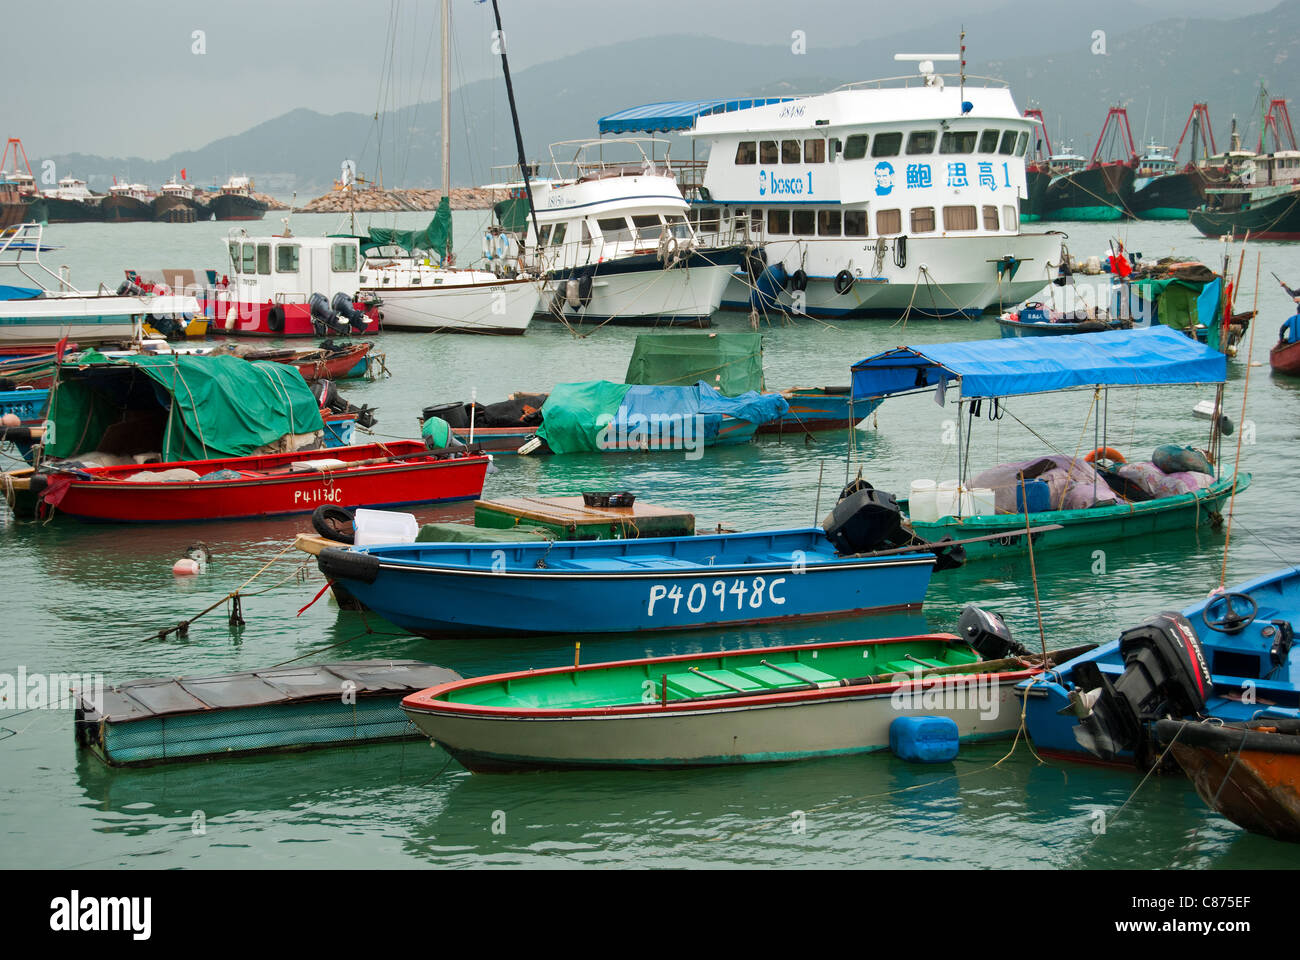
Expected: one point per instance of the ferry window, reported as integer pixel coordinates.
(1008, 143)
(343, 258)
(955, 218)
(789, 151)
(250, 259)
(756, 221)
(922, 219)
(745, 153)
(234, 256)
(767, 151)
(889, 221)
(957, 141)
(836, 148)
(920, 141)
(544, 235)
(286, 258)
(855, 223)
(855, 147)
(614, 229)
(677, 226)
(988, 141)
(1010, 219)
(709, 219)
(804, 223)
(264, 258)
(828, 223)
(557, 235)
(648, 226)
(778, 221)
(885, 145)
(990, 218)
(814, 151)
(1023, 142)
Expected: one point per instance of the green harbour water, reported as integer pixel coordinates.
(90, 599)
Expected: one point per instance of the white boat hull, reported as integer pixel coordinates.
(83, 319)
(681, 295)
(501, 307)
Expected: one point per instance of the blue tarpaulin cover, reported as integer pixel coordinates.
(1008, 367)
(675, 114)
(19, 293)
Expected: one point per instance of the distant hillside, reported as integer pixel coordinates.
(1156, 67)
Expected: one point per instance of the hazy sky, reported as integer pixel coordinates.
(126, 78)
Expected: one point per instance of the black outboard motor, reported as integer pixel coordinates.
(864, 520)
(988, 634)
(343, 306)
(128, 289)
(1165, 675)
(324, 318)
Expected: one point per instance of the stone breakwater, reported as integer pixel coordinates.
(271, 202)
(392, 201)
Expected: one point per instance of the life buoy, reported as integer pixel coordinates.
(275, 319)
(843, 282)
(334, 523)
(1105, 453)
(489, 247)
(799, 280)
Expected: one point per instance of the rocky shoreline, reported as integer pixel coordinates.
(394, 201)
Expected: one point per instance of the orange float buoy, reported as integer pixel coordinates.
(1105, 453)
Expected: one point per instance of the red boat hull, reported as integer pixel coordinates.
(267, 489)
(1285, 358)
(232, 317)
(336, 367)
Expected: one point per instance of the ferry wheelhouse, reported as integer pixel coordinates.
(893, 198)
(612, 241)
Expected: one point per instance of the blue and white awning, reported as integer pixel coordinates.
(675, 114)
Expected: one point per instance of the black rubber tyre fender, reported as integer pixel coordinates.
(843, 282)
(799, 280)
(755, 263)
(333, 523)
(340, 563)
(275, 319)
(586, 280)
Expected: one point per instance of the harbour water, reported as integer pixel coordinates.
(90, 599)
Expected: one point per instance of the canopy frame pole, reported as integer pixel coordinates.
(1096, 445)
(961, 465)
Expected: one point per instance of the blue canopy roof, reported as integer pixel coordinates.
(1008, 367)
(675, 114)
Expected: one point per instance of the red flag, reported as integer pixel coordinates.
(182, 173)
(59, 348)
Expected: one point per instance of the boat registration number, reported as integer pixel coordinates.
(322, 495)
(737, 595)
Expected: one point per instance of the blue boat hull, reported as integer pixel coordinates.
(622, 586)
(1278, 694)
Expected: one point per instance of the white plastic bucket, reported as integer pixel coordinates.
(920, 501)
(375, 527)
(983, 499)
(947, 498)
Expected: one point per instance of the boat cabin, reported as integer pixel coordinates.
(288, 269)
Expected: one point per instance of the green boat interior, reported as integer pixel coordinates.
(717, 675)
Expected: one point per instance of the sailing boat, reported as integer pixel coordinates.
(422, 295)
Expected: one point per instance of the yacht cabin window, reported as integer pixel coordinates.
(286, 258)
(855, 147)
(989, 141)
(803, 223)
(923, 219)
(814, 151)
(828, 223)
(767, 151)
(1008, 146)
(745, 152)
(648, 226)
(957, 141)
(886, 144)
(343, 258)
(544, 235)
(889, 221)
(1010, 219)
(614, 229)
(855, 223)
(778, 221)
(678, 226)
(919, 142)
(264, 259)
(586, 233)
(557, 235)
(959, 218)
(790, 151)
(990, 218)
(234, 256)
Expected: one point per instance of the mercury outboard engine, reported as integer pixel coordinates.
(324, 318)
(1165, 675)
(865, 519)
(343, 306)
(988, 634)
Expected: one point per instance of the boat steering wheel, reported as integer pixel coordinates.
(1230, 621)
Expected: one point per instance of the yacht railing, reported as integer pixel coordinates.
(921, 80)
(20, 249)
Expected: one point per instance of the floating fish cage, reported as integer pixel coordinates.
(288, 708)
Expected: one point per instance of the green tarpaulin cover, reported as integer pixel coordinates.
(512, 214)
(436, 237)
(215, 406)
(571, 410)
(732, 363)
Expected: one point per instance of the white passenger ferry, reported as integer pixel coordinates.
(892, 198)
(613, 243)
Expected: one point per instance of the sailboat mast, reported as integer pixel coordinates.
(446, 98)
